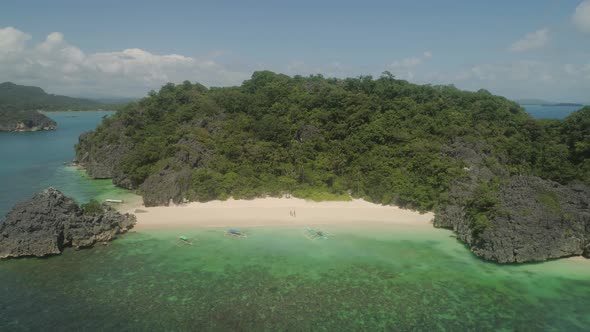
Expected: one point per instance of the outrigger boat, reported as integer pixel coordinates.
(185, 240)
(235, 233)
(316, 234)
(109, 200)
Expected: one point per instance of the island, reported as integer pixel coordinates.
(17, 121)
(49, 222)
(20, 107)
(563, 105)
(514, 189)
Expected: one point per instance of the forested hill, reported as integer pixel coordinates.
(459, 153)
(24, 98)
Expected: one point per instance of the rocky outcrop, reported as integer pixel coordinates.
(532, 220)
(166, 186)
(20, 121)
(102, 158)
(537, 220)
(172, 183)
(49, 222)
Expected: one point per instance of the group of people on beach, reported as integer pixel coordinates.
(292, 213)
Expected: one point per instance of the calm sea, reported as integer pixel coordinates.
(550, 112)
(33, 161)
(361, 279)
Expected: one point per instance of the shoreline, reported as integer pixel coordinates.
(271, 212)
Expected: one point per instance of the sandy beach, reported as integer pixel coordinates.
(276, 212)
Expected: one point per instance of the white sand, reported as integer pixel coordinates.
(276, 212)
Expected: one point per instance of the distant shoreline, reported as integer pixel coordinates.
(556, 105)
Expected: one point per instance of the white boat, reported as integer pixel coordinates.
(108, 200)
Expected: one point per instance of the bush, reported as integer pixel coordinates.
(92, 207)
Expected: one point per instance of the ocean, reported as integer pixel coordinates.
(32, 161)
(275, 279)
(550, 112)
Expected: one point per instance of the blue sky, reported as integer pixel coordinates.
(520, 49)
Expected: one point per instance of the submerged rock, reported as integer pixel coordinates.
(50, 221)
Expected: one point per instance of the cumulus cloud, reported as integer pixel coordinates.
(64, 68)
(581, 17)
(12, 42)
(531, 41)
(524, 71)
(527, 79)
(405, 68)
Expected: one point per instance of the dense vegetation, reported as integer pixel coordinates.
(384, 139)
(15, 97)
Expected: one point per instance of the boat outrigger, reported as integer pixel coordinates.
(316, 234)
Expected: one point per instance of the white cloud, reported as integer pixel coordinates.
(519, 71)
(12, 42)
(527, 78)
(332, 69)
(64, 68)
(581, 17)
(405, 68)
(531, 41)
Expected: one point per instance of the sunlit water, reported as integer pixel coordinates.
(361, 278)
(276, 279)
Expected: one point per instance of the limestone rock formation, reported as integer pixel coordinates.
(50, 221)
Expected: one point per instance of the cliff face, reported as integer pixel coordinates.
(50, 221)
(19, 121)
(104, 159)
(533, 220)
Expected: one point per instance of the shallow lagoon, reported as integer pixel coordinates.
(276, 279)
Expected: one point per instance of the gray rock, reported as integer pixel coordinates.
(538, 220)
(50, 221)
(165, 186)
(103, 160)
(535, 219)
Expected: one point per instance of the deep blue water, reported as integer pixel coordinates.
(550, 112)
(32, 161)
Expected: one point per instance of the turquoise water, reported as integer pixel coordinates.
(550, 112)
(33, 161)
(275, 279)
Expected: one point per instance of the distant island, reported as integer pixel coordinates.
(563, 105)
(17, 121)
(513, 188)
(541, 102)
(20, 106)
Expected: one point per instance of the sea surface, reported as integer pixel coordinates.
(360, 278)
(31, 161)
(550, 112)
(276, 279)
